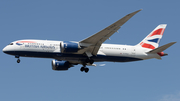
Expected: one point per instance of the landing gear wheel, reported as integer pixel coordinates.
(82, 69)
(86, 70)
(18, 61)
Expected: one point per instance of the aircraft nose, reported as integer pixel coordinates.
(8, 50)
(4, 49)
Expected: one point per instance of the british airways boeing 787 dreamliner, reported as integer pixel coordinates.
(66, 54)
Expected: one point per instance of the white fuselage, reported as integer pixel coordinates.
(51, 49)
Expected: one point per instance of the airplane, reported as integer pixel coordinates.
(66, 54)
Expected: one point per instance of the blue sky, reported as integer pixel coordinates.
(34, 80)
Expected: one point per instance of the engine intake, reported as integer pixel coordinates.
(60, 65)
(69, 47)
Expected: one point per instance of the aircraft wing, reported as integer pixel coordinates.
(92, 44)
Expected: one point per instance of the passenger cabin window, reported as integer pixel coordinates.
(11, 44)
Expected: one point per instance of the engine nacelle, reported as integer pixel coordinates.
(60, 65)
(69, 47)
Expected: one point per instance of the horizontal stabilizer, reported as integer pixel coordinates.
(162, 48)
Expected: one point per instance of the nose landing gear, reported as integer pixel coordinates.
(18, 60)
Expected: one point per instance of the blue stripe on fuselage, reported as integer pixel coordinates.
(98, 58)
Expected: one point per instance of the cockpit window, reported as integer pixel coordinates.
(11, 44)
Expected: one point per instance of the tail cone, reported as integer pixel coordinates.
(162, 54)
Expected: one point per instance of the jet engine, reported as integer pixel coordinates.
(69, 47)
(60, 65)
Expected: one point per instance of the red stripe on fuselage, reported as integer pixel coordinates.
(26, 42)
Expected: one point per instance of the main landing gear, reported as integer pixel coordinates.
(84, 69)
(18, 60)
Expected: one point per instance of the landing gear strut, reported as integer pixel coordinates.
(18, 60)
(89, 61)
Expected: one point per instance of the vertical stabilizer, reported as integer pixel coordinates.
(152, 40)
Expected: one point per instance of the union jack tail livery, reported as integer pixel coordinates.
(152, 40)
